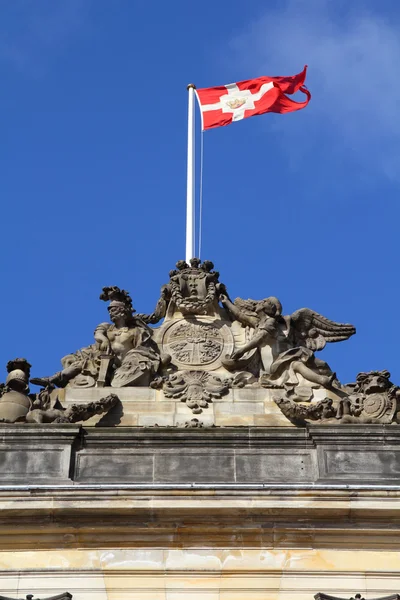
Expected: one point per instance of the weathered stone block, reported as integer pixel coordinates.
(116, 465)
(357, 464)
(36, 453)
(126, 394)
(212, 465)
(152, 408)
(249, 394)
(272, 418)
(234, 420)
(275, 465)
(238, 408)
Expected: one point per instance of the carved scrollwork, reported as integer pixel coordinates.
(371, 399)
(196, 388)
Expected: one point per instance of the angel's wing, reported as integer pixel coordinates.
(314, 331)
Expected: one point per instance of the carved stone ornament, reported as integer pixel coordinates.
(44, 410)
(196, 388)
(193, 342)
(372, 399)
(193, 289)
(204, 344)
(321, 596)
(192, 424)
(17, 405)
(64, 596)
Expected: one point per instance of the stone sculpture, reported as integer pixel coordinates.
(371, 399)
(198, 344)
(46, 409)
(300, 414)
(123, 354)
(287, 344)
(18, 405)
(129, 340)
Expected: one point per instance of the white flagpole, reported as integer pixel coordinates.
(190, 193)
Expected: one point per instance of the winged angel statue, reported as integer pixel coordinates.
(286, 344)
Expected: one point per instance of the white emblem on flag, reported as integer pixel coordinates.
(236, 103)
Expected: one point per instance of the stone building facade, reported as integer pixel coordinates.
(201, 452)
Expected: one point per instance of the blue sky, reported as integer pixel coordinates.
(303, 206)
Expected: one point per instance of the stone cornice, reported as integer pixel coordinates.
(95, 518)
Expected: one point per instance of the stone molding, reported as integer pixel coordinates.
(182, 486)
(62, 453)
(93, 519)
(241, 455)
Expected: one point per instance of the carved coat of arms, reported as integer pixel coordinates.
(196, 343)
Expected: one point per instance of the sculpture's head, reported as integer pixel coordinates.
(270, 306)
(373, 382)
(119, 312)
(120, 308)
(18, 374)
(193, 287)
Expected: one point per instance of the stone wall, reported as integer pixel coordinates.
(147, 407)
(220, 513)
(62, 453)
(210, 574)
(286, 545)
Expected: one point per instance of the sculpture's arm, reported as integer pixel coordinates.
(100, 335)
(255, 342)
(238, 314)
(161, 308)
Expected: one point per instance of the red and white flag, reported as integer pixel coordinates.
(225, 104)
